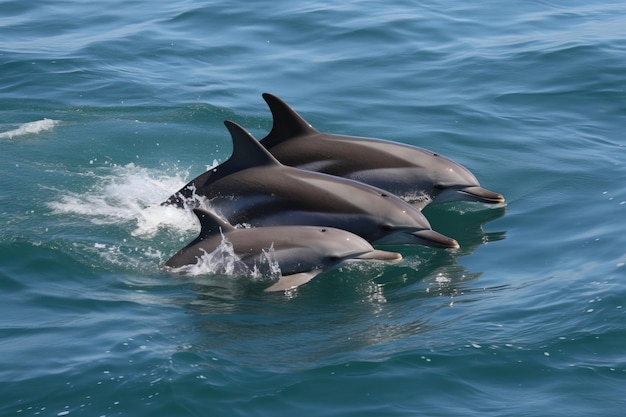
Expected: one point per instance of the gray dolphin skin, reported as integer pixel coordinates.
(302, 252)
(414, 174)
(252, 187)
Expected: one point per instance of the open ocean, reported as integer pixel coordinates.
(106, 108)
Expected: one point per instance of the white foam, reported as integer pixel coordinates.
(30, 128)
(222, 260)
(129, 194)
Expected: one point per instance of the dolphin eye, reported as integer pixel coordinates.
(386, 227)
(439, 187)
(334, 258)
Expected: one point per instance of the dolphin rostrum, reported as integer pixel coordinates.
(414, 174)
(301, 252)
(253, 188)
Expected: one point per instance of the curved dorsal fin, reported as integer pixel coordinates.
(210, 224)
(247, 151)
(287, 123)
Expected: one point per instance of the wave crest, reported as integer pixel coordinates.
(30, 128)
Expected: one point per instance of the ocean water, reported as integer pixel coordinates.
(106, 108)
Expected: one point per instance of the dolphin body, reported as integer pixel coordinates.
(252, 187)
(414, 174)
(302, 252)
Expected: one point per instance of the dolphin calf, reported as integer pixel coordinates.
(414, 174)
(252, 187)
(302, 252)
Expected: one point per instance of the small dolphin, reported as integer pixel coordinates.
(414, 174)
(302, 252)
(253, 187)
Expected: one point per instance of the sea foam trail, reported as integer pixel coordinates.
(30, 128)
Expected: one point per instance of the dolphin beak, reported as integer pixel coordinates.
(429, 237)
(379, 255)
(482, 195)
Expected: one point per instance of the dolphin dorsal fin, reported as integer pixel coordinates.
(287, 123)
(247, 151)
(210, 224)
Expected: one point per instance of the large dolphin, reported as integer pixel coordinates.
(253, 187)
(301, 252)
(416, 175)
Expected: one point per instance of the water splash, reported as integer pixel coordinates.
(121, 205)
(224, 261)
(129, 194)
(30, 128)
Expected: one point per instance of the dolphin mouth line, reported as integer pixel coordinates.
(483, 195)
(429, 237)
(379, 255)
(426, 237)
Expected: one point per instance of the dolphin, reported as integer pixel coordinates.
(253, 188)
(302, 252)
(417, 175)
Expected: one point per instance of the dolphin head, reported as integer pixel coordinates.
(325, 249)
(399, 223)
(333, 247)
(299, 249)
(406, 225)
(444, 180)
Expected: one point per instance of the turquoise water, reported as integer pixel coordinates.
(107, 108)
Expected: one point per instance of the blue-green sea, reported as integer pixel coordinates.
(107, 108)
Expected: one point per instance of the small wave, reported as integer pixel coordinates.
(30, 128)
